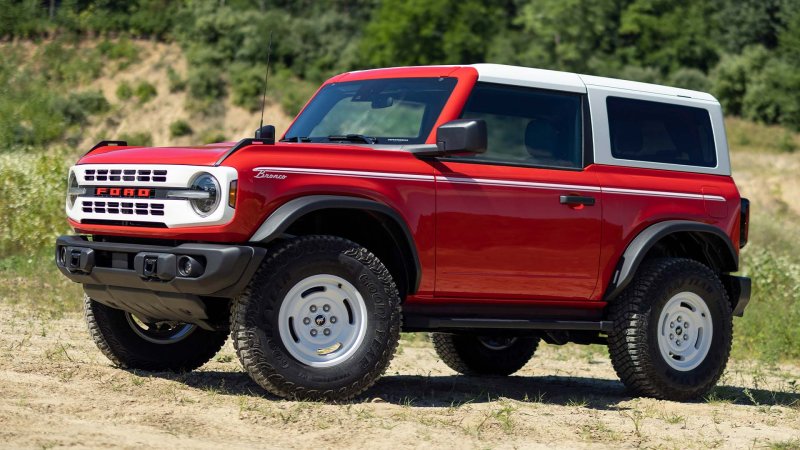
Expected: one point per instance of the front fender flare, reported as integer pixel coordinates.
(637, 250)
(282, 218)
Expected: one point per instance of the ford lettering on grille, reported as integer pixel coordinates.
(124, 192)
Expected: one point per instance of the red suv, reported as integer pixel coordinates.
(497, 206)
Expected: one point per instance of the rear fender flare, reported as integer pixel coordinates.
(638, 248)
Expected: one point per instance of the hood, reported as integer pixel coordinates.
(206, 155)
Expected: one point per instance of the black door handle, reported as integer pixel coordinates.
(576, 200)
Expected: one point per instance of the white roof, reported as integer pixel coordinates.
(571, 82)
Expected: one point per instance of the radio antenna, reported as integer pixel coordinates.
(266, 80)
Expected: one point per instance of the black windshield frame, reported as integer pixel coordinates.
(425, 98)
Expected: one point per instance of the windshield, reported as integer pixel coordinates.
(389, 111)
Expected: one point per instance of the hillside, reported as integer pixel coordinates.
(154, 117)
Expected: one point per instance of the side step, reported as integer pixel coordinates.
(467, 323)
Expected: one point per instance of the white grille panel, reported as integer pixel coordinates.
(122, 207)
(125, 175)
(173, 213)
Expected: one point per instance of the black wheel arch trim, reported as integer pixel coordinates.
(638, 247)
(276, 224)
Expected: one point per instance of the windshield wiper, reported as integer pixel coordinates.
(353, 138)
(296, 139)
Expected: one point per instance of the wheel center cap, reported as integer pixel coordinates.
(319, 320)
(679, 331)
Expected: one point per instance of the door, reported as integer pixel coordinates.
(523, 219)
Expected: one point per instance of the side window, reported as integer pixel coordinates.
(528, 126)
(660, 132)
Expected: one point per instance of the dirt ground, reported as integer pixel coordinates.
(57, 390)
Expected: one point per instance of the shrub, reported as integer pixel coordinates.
(206, 91)
(180, 128)
(145, 92)
(76, 107)
(205, 83)
(771, 95)
(176, 83)
(212, 136)
(786, 143)
(143, 138)
(32, 201)
(641, 74)
(124, 91)
(121, 50)
(688, 78)
(730, 78)
(247, 86)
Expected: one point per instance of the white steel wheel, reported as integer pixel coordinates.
(497, 342)
(685, 331)
(322, 320)
(161, 333)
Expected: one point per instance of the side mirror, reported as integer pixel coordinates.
(266, 134)
(462, 136)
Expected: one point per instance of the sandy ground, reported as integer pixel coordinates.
(57, 390)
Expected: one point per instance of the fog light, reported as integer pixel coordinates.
(189, 267)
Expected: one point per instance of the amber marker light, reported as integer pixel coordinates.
(232, 194)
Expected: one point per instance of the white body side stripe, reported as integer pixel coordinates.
(488, 182)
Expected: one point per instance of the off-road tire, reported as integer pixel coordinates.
(256, 331)
(467, 355)
(633, 341)
(116, 339)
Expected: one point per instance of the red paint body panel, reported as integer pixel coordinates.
(498, 234)
(515, 240)
(625, 215)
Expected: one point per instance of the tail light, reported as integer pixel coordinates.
(744, 222)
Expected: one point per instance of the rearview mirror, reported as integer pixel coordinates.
(462, 136)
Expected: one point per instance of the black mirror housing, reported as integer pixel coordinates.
(266, 134)
(462, 136)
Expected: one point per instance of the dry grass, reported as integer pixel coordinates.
(58, 390)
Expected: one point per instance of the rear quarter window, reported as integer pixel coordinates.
(658, 132)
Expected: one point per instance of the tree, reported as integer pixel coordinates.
(568, 34)
(417, 32)
(669, 34)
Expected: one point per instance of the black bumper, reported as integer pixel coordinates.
(739, 291)
(147, 279)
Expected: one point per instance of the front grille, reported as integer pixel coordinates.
(140, 175)
(129, 208)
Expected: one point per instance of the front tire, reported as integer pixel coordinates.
(131, 343)
(484, 355)
(320, 320)
(672, 330)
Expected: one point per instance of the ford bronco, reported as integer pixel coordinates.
(491, 206)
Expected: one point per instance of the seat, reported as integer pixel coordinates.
(627, 141)
(541, 142)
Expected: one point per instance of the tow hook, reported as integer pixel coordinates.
(76, 259)
(159, 266)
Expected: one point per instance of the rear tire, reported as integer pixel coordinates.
(132, 344)
(320, 320)
(672, 330)
(484, 355)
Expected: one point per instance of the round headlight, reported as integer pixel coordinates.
(206, 183)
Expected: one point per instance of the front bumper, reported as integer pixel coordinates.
(146, 279)
(739, 289)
